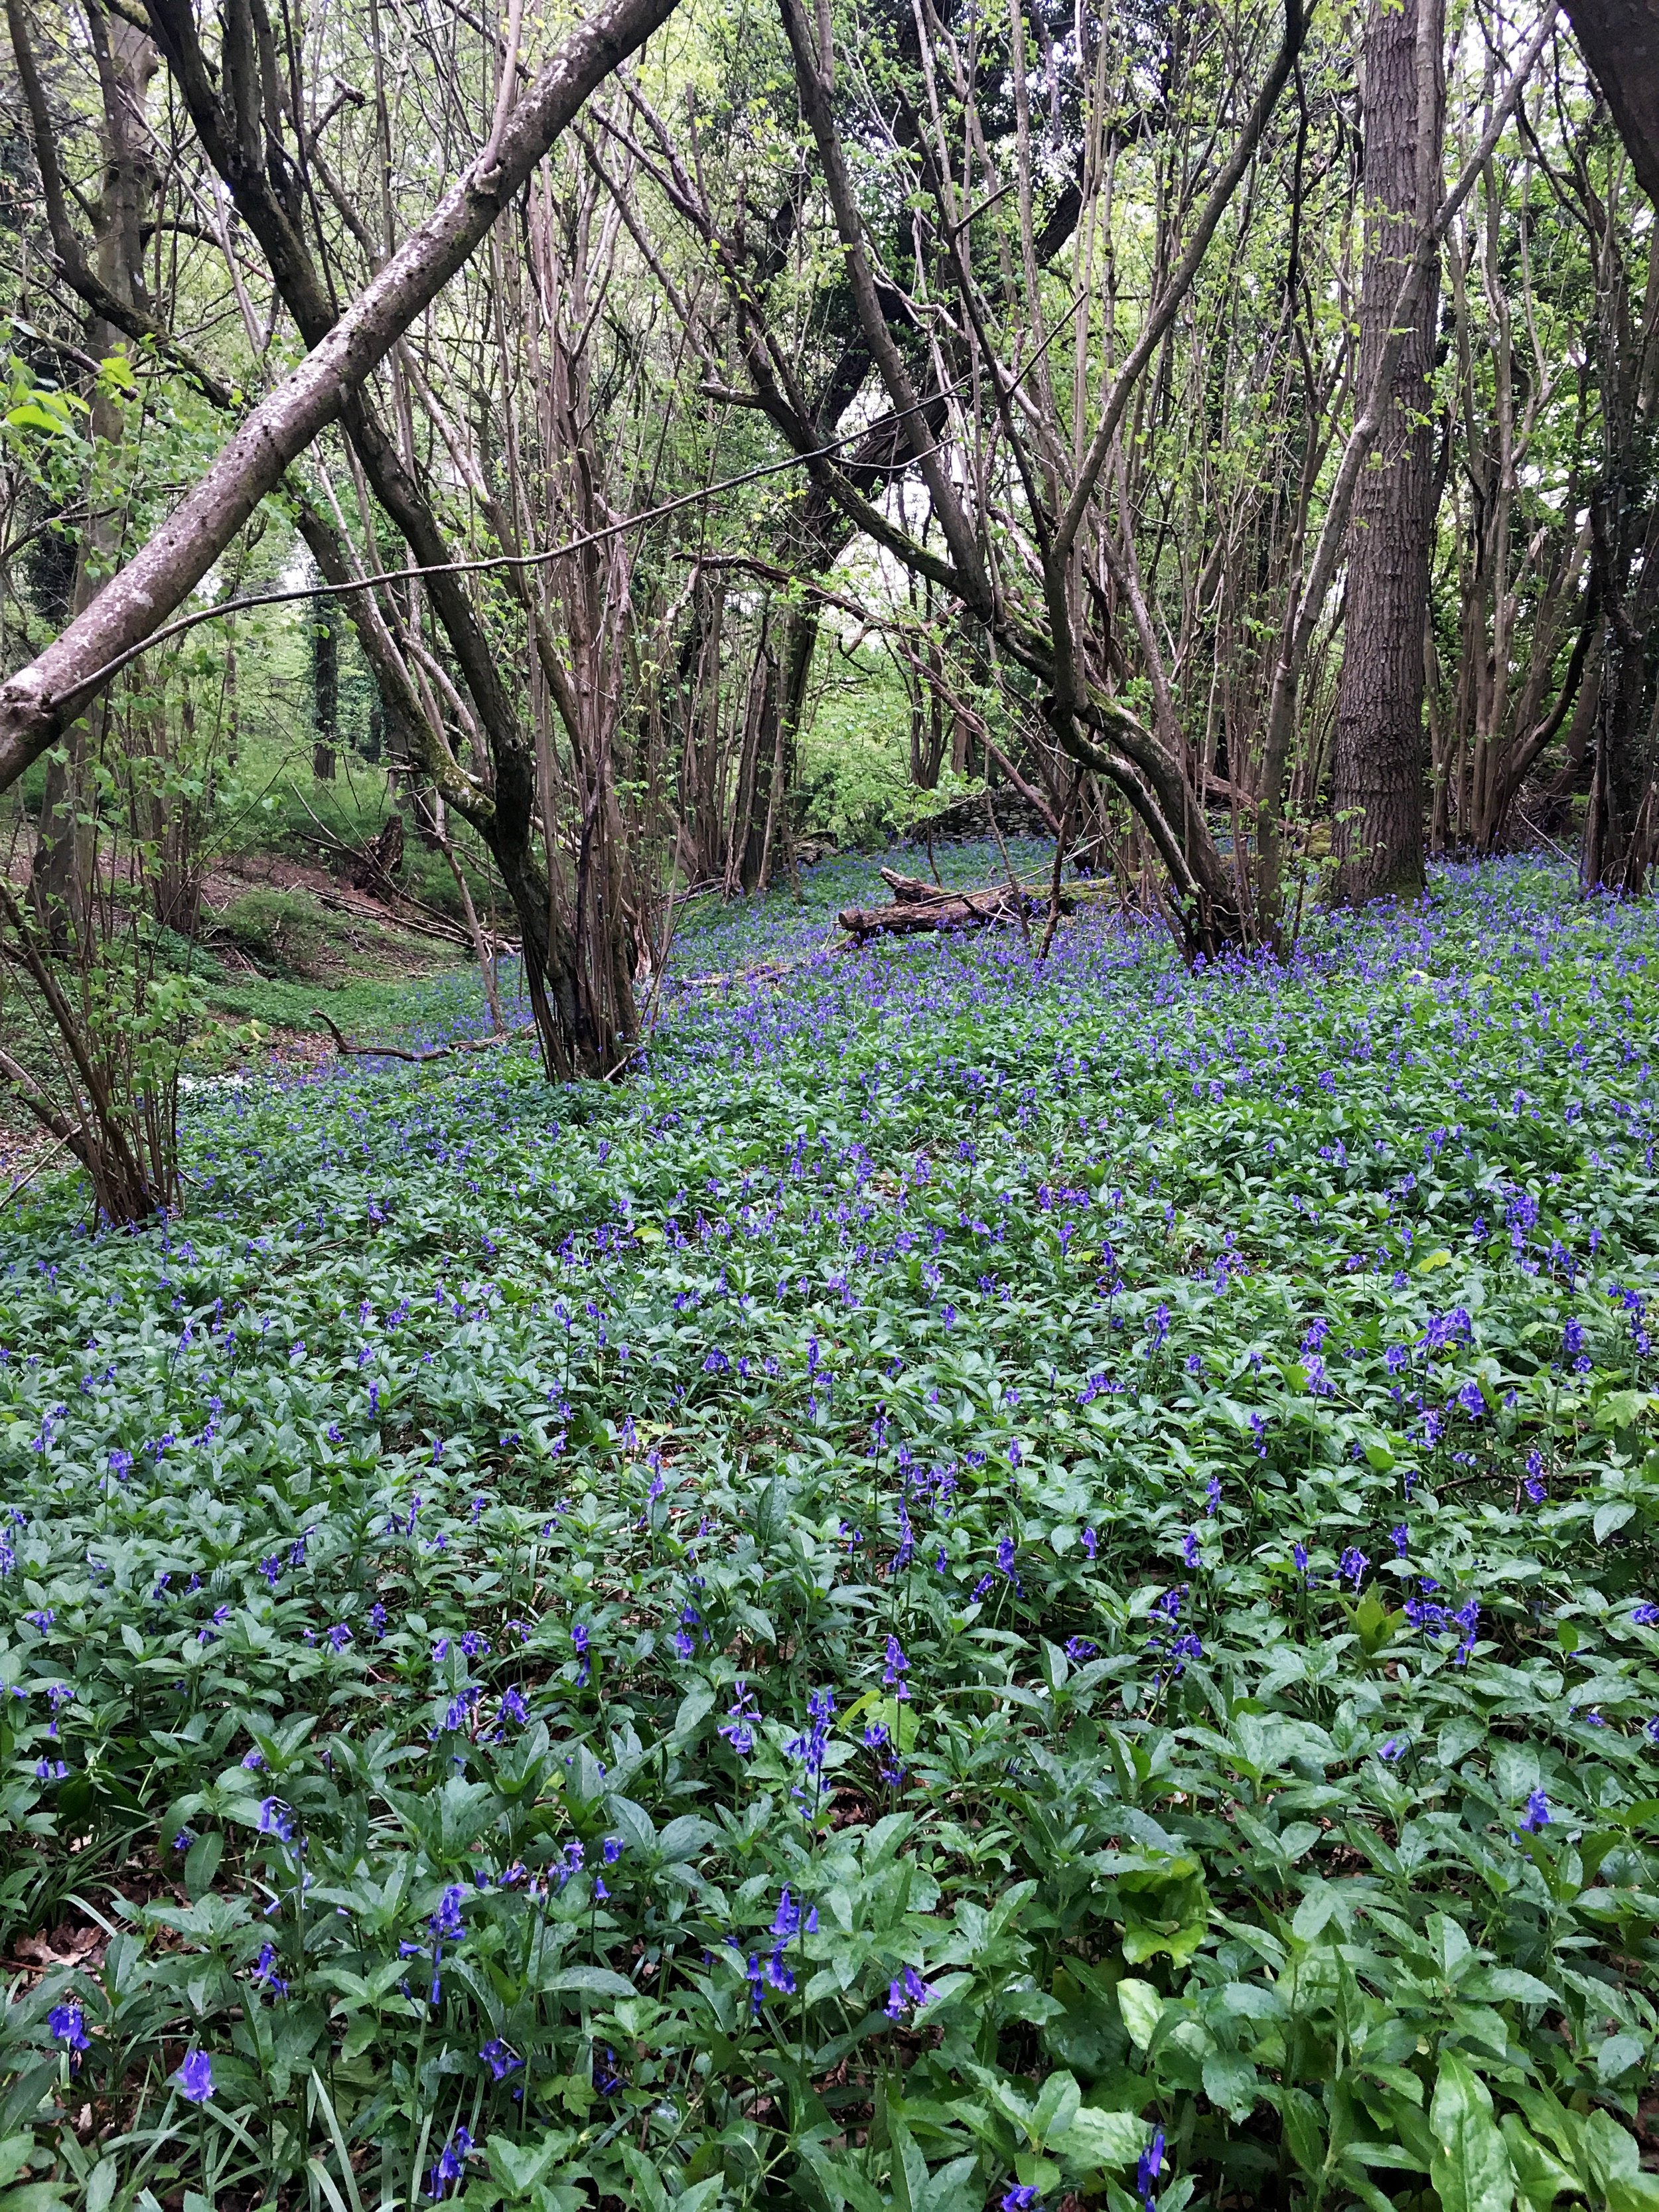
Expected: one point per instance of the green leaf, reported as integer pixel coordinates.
(1610, 2153)
(1056, 2105)
(590, 1981)
(202, 1863)
(1539, 2176)
(1099, 2140)
(1618, 2055)
(1305, 2131)
(1142, 2008)
(1230, 2083)
(1470, 2169)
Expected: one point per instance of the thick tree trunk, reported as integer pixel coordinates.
(1378, 772)
(1620, 40)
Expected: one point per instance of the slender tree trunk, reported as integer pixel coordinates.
(325, 685)
(1378, 765)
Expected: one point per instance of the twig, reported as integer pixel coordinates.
(1013, 880)
(436, 1052)
(1544, 834)
(1060, 863)
(23, 1180)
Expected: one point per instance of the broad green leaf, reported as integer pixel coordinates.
(1470, 2169)
(1142, 2008)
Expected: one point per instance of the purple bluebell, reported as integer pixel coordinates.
(738, 1727)
(451, 2165)
(195, 2077)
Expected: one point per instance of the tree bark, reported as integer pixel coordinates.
(1378, 770)
(61, 876)
(325, 685)
(40, 700)
(1620, 42)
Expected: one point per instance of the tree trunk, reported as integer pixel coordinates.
(325, 685)
(61, 878)
(1620, 40)
(1378, 766)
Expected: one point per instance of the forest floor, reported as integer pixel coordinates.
(983, 1579)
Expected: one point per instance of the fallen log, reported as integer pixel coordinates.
(919, 906)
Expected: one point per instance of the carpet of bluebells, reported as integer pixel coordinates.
(983, 1585)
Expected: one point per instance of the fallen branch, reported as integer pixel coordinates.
(920, 906)
(435, 1052)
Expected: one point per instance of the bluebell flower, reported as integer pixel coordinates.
(265, 1973)
(195, 2077)
(68, 2026)
(909, 1991)
(275, 1818)
(451, 2164)
(810, 1746)
(896, 1668)
(1079, 1649)
(1151, 2165)
(500, 2058)
(445, 1923)
(787, 1921)
(738, 1727)
(1352, 1565)
(1537, 1814)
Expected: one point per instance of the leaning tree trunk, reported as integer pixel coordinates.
(1620, 40)
(1378, 766)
